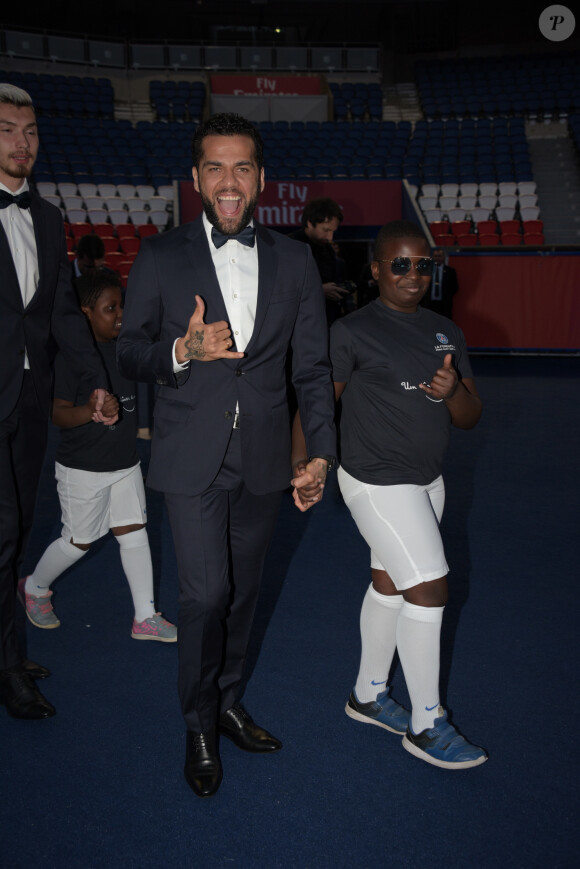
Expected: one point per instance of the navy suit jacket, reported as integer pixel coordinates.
(194, 410)
(52, 319)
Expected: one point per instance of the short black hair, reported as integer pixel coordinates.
(227, 124)
(397, 229)
(320, 209)
(90, 287)
(91, 245)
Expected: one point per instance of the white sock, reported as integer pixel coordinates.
(136, 561)
(59, 556)
(378, 630)
(418, 642)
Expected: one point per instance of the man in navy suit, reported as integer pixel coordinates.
(39, 314)
(221, 441)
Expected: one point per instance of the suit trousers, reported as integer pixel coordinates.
(221, 538)
(22, 446)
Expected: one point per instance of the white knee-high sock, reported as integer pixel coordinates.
(59, 556)
(136, 561)
(378, 631)
(418, 643)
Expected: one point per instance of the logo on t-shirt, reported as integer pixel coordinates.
(443, 343)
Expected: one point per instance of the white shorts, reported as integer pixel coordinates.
(93, 502)
(401, 526)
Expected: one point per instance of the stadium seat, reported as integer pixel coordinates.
(511, 238)
(533, 226)
(466, 240)
(461, 227)
(507, 226)
(488, 238)
(533, 238)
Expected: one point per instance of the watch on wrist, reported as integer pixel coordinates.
(330, 459)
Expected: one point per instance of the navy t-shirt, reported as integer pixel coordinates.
(94, 446)
(391, 432)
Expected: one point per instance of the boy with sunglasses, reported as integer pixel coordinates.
(403, 375)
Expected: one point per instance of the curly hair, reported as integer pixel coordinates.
(227, 124)
(320, 209)
(397, 229)
(89, 288)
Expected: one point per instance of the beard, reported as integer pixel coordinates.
(16, 171)
(228, 227)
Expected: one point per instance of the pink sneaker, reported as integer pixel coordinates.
(155, 628)
(38, 609)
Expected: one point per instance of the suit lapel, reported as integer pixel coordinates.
(9, 274)
(267, 268)
(207, 284)
(40, 238)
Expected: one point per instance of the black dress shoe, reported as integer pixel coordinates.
(22, 698)
(34, 670)
(238, 726)
(203, 769)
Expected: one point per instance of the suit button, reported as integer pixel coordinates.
(238, 372)
(228, 414)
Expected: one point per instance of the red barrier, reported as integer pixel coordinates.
(519, 302)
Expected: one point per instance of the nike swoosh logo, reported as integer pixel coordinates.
(384, 682)
(431, 708)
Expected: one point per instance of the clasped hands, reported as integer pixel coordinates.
(105, 407)
(309, 479)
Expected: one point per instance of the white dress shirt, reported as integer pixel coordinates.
(17, 224)
(236, 268)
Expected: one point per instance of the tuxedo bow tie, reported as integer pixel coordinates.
(247, 236)
(22, 200)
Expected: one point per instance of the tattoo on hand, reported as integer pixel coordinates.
(194, 346)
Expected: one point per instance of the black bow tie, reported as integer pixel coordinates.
(22, 200)
(247, 236)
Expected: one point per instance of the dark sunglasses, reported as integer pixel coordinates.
(401, 265)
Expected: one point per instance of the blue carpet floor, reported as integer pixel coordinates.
(101, 784)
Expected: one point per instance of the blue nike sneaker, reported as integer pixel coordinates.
(384, 712)
(443, 746)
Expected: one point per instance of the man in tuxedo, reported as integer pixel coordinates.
(213, 309)
(39, 313)
(443, 287)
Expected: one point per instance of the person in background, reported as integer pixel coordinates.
(439, 297)
(320, 220)
(38, 312)
(90, 255)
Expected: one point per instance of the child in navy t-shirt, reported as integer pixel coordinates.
(100, 484)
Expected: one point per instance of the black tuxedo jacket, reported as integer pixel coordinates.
(52, 319)
(194, 410)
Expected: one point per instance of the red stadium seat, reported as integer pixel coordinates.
(485, 226)
(111, 244)
(440, 227)
(444, 240)
(80, 229)
(509, 226)
(105, 230)
(461, 227)
(511, 238)
(147, 229)
(66, 227)
(125, 230)
(468, 239)
(533, 238)
(130, 246)
(533, 225)
(488, 238)
(114, 259)
(70, 243)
